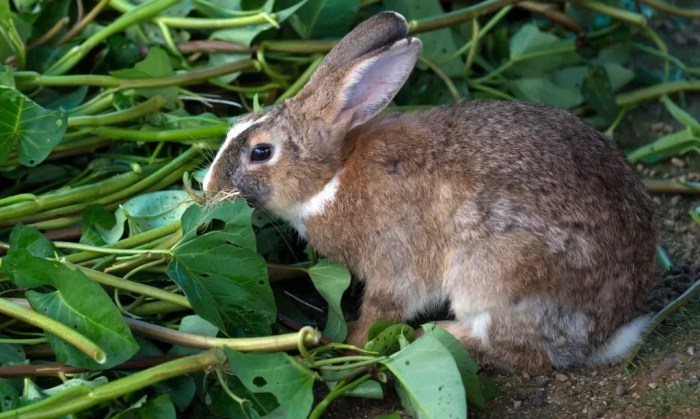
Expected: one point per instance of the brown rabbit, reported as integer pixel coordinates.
(526, 220)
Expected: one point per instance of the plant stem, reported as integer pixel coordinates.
(275, 343)
(673, 10)
(145, 108)
(108, 250)
(49, 325)
(135, 287)
(84, 397)
(659, 317)
(142, 12)
(652, 92)
(28, 79)
(130, 242)
(458, 16)
(182, 135)
(337, 392)
(671, 186)
(301, 81)
(456, 96)
(72, 32)
(614, 12)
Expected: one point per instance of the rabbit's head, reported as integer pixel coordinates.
(280, 157)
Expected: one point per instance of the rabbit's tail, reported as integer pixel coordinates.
(620, 343)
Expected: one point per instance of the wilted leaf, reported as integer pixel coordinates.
(27, 126)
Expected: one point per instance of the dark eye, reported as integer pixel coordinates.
(261, 153)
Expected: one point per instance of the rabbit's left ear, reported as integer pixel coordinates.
(371, 83)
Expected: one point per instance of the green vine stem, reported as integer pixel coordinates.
(301, 81)
(274, 343)
(338, 391)
(80, 398)
(652, 92)
(614, 12)
(30, 79)
(671, 186)
(49, 325)
(148, 107)
(78, 27)
(182, 135)
(672, 10)
(135, 287)
(458, 16)
(456, 96)
(137, 14)
(659, 317)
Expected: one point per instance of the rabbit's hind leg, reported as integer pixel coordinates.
(533, 336)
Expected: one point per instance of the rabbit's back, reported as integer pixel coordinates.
(543, 200)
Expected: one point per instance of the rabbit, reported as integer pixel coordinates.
(525, 220)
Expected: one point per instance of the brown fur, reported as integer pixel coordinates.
(518, 210)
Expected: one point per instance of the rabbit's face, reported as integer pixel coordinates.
(266, 159)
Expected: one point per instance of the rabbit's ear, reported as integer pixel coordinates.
(371, 83)
(378, 31)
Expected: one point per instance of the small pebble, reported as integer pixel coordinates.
(675, 200)
(561, 377)
(653, 385)
(620, 390)
(526, 376)
(664, 367)
(517, 404)
(677, 162)
(593, 413)
(690, 351)
(541, 380)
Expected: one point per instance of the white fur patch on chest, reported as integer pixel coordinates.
(316, 205)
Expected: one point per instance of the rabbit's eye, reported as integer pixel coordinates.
(261, 153)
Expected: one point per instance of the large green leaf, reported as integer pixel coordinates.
(428, 379)
(324, 18)
(544, 89)
(277, 373)
(77, 301)
(220, 272)
(331, 279)
(465, 364)
(598, 92)
(34, 130)
(535, 52)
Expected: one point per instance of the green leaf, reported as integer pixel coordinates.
(536, 53)
(278, 373)
(195, 325)
(160, 407)
(465, 364)
(387, 341)
(153, 210)
(11, 354)
(155, 65)
(324, 18)
(667, 146)
(181, 389)
(438, 45)
(545, 90)
(77, 301)
(34, 130)
(97, 222)
(598, 93)
(9, 396)
(331, 279)
(7, 78)
(683, 117)
(429, 379)
(11, 43)
(220, 272)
